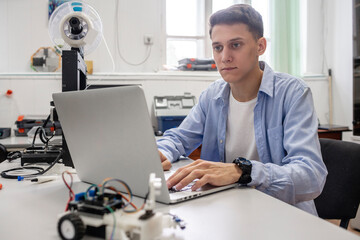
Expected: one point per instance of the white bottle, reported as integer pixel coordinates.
(7, 109)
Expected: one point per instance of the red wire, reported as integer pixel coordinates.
(71, 192)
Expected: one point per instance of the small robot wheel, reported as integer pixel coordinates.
(71, 227)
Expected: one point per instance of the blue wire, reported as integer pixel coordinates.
(87, 191)
(113, 213)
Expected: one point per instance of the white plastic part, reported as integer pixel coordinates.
(63, 39)
(154, 189)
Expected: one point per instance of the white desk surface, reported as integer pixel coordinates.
(30, 211)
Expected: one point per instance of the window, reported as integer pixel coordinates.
(187, 27)
(185, 31)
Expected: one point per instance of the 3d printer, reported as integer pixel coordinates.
(76, 29)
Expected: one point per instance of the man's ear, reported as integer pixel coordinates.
(261, 42)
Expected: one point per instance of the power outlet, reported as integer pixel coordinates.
(148, 39)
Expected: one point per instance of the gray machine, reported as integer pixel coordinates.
(170, 111)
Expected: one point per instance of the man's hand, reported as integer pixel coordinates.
(166, 164)
(214, 173)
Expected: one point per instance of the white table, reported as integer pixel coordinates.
(29, 211)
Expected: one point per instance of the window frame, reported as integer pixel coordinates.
(206, 37)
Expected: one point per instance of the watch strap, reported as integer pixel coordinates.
(246, 167)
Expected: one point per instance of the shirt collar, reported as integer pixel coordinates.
(267, 81)
(266, 86)
(224, 92)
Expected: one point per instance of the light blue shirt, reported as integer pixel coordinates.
(285, 125)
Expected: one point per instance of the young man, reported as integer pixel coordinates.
(256, 127)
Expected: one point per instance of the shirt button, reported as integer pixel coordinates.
(221, 141)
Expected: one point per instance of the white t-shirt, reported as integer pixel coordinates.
(240, 135)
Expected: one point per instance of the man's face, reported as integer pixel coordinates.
(235, 51)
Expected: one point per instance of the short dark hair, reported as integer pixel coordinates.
(239, 13)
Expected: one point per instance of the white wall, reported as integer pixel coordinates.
(25, 24)
(329, 42)
(315, 40)
(340, 59)
(32, 94)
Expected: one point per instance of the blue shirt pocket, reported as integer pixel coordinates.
(275, 137)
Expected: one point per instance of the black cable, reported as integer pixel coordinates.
(55, 161)
(42, 133)
(46, 121)
(47, 139)
(5, 175)
(44, 138)
(13, 155)
(41, 171)
(17, 154)
(33, 142)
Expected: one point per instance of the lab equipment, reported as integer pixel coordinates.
(170, 111)
(76, 29)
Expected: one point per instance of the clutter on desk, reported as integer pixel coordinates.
(43, 179)
(25, 123)
(170, 111)
(103, 211)
(197, 64)
(31, 169)
(5, 133)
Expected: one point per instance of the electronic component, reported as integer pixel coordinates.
(39, 155)
(103, 214)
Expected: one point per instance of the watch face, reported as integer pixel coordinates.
(244, 161)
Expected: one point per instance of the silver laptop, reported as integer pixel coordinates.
(109, 134)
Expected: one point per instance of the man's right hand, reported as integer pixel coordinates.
(166, 164)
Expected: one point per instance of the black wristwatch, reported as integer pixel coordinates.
(245, 166)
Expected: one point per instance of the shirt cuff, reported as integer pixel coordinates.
(167, 154)
(259, 175)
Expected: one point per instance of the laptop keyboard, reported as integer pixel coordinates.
(184, 189)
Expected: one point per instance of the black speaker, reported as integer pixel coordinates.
(3, 153)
